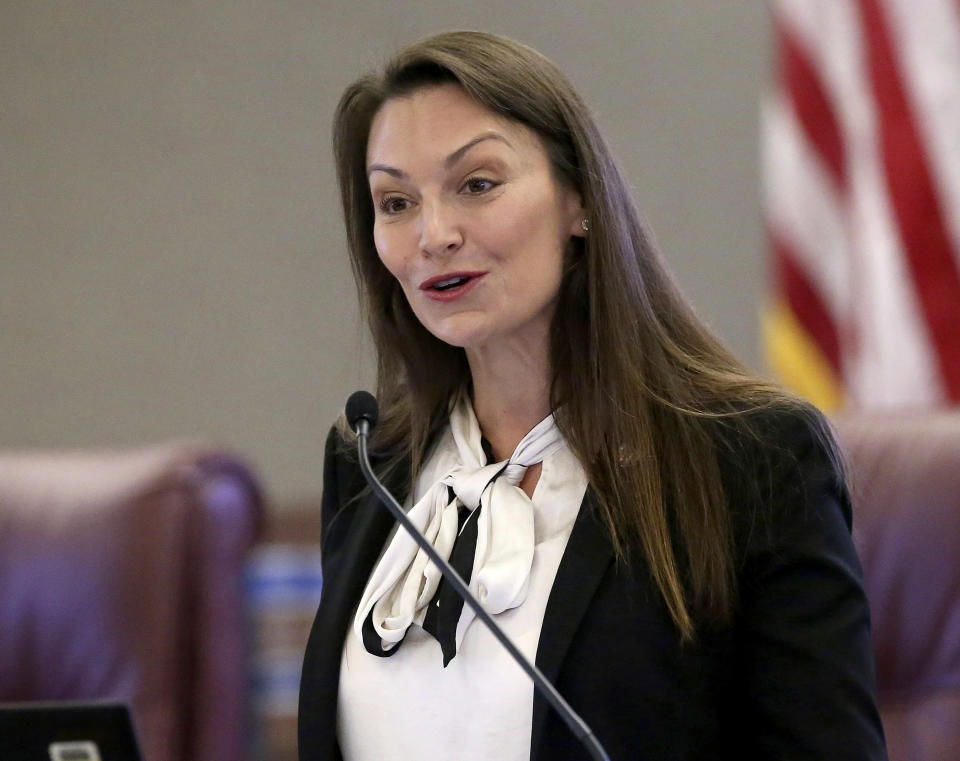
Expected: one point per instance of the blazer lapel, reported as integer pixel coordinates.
(320, 678)
(367, 536)
(585, 560)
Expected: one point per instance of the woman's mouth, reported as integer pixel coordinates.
(450, 286)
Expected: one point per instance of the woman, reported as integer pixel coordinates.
(666, 535)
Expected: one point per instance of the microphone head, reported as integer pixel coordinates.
(362, 406)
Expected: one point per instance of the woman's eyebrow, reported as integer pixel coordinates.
(454, 157)
(448, 162)
(399, 174)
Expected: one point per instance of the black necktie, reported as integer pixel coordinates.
(444, 610)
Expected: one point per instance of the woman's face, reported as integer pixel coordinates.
(469, 218)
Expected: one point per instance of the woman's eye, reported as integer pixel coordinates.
(393, 204)
(479, 185)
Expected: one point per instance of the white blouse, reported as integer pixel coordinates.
(480, 706)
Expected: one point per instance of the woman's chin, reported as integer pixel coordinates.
(465, 334)
(458, 339)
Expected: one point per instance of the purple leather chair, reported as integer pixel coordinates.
(121, 577)
(905, 482)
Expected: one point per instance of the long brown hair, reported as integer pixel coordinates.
(636, 377)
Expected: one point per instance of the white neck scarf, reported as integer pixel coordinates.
(405, 581)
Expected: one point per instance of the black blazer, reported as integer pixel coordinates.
(790, 678)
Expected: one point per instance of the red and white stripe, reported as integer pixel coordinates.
(862, 175)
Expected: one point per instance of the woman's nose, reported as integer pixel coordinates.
(440, 233)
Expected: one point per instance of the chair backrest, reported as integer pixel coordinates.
(121, 578)
(904, 472)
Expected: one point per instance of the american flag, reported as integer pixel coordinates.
(861, 155)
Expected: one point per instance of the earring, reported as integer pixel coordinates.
(585, 225)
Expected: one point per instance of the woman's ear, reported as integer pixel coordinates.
(579, 222)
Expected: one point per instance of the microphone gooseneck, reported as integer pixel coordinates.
(362, 414)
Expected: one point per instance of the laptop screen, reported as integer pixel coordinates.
(81, 731)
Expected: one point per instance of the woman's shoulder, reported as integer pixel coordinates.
(776, 436)
(343, 478)
(780, 462)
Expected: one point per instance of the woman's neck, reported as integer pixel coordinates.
(511, 394)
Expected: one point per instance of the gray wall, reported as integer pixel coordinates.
(171, 254)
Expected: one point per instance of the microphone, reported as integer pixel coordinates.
(362, 408)
(362, 413)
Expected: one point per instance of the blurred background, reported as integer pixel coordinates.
(178, 326)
